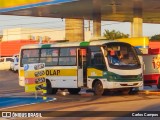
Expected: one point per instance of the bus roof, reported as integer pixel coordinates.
(101, 42)
(66, 44)
(35, 46)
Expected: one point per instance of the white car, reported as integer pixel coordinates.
(14, 64)
(5, 63)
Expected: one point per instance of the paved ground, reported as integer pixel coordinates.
(9, 82)
(72, 105)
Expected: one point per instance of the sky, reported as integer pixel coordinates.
(7, 21)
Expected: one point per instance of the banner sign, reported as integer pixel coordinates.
(35, 77)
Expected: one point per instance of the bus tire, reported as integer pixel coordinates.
(158, 85)
(51, 90)
(98, 88)
(74, 91)
(54, 90)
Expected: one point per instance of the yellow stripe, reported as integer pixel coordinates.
(94, 72)
(68, 72)
(54, 72)
(61, 72)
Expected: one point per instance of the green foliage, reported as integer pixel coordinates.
(112, 35)
(155, 37)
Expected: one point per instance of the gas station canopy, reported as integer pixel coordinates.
(111, 10)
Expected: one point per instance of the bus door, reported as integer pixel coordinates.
(82, 67)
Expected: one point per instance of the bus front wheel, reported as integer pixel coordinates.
(74, 90)
(158, 85)
(98, 88)
(51, 90)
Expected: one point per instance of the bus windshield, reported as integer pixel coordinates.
(121, 55)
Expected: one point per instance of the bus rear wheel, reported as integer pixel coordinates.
(158, 85)
(51, 90)
(74, 91)
(98, 88)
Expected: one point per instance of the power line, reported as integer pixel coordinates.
(24, 17)
(30, 23)
(50, 28)
(51, 22)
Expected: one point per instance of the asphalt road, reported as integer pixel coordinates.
(81, 107)
(9, 82)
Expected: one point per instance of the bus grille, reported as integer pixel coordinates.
(129, 76)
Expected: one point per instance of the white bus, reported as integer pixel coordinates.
(94, 65)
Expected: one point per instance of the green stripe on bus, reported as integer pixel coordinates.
(84, 43)
(46, 46)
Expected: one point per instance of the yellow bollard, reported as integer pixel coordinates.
(44, 92)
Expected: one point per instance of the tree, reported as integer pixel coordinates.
(155, 37)
(112, 35)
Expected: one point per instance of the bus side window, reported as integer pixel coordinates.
(98, 58)
(49, 59)
(62, 61)
(54, 61)
(98, 61)
(42, 60)
(72, 60)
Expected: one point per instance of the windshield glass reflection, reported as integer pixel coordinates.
(121, 55)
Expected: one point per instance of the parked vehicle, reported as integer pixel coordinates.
(14, 64)
(152, 67)
(5, 63)
(75, 65)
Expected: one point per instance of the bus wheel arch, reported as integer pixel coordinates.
(49, 88)
(97, 87)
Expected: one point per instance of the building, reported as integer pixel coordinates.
(32, 34)
(14, 38)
